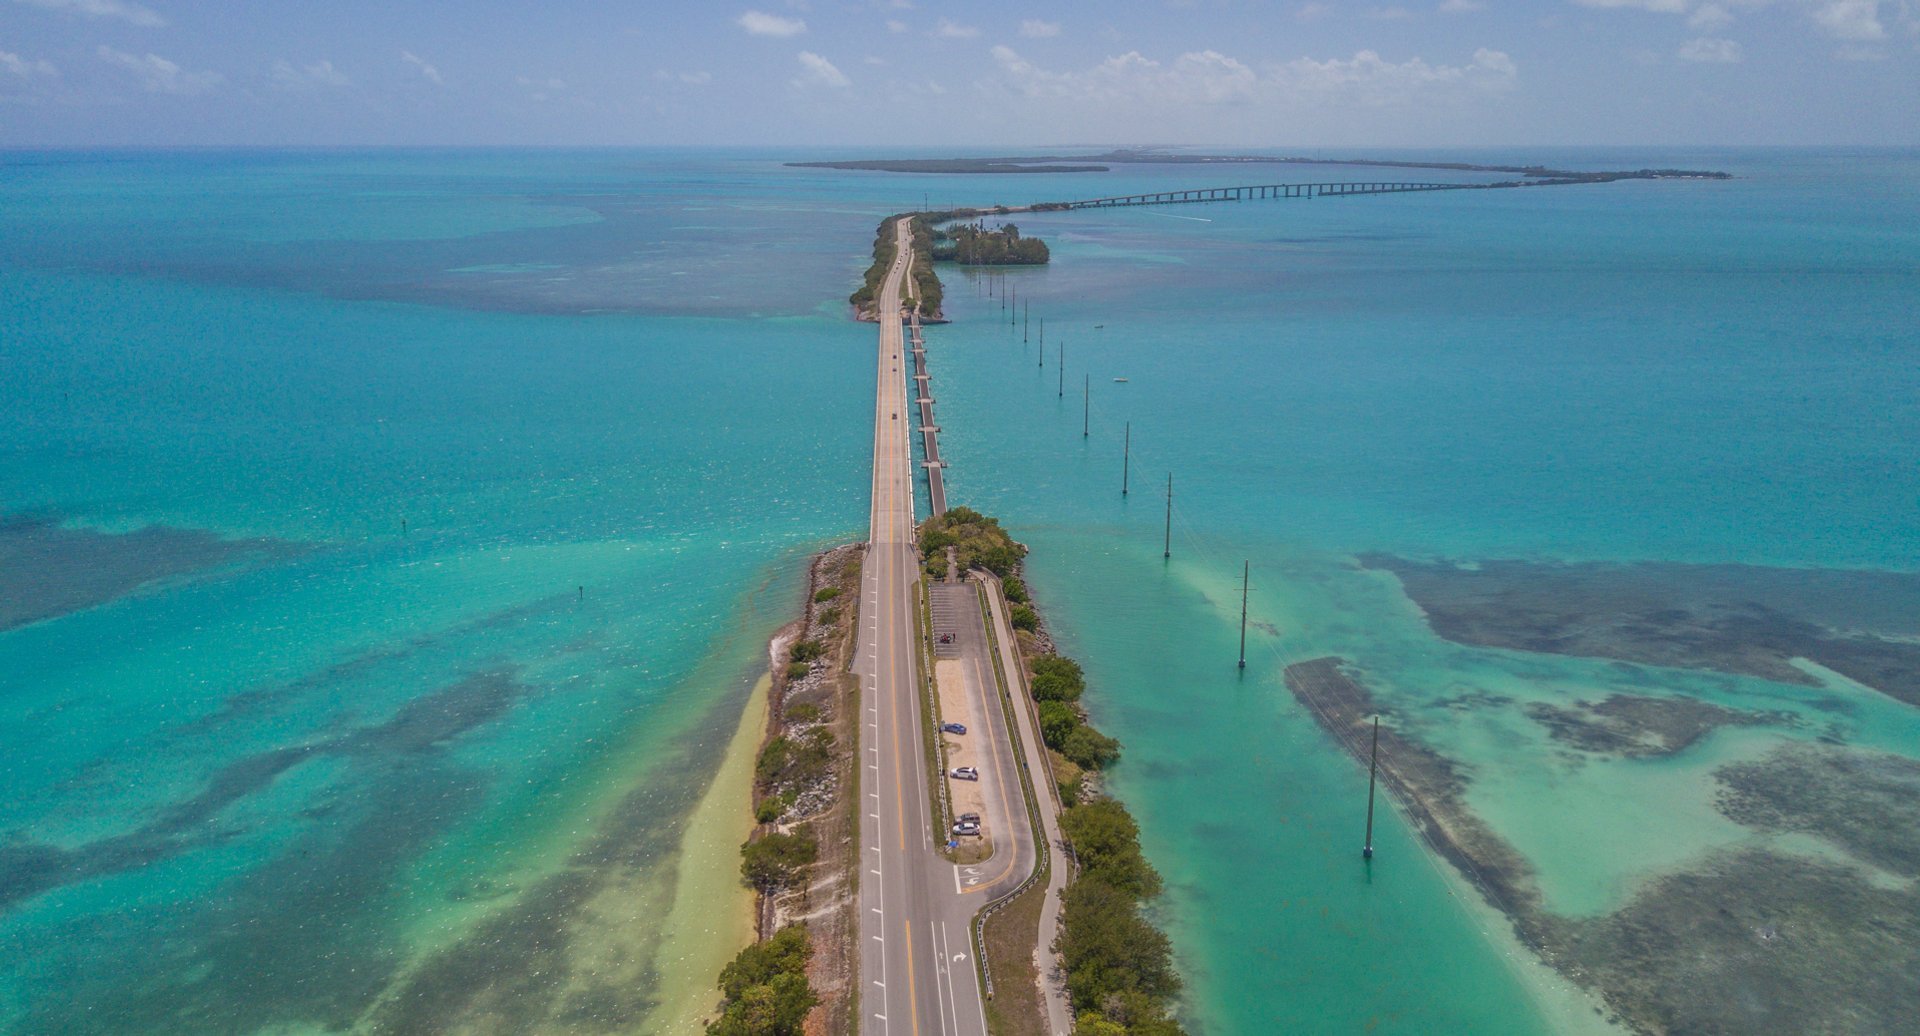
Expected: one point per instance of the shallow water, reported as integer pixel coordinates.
(338, 779)
(1704, 373)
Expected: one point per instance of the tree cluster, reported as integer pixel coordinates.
(978, 540)
(1057, 683)
(766, 988)
(1119, 967)
(972, 244)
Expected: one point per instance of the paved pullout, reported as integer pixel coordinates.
(1053, 986)
(917, 972)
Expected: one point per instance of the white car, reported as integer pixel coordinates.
(965, 773)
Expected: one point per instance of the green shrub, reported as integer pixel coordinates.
(1106, 841)
(769, 809)
(829, 616)
(1108, 950)
(1024, 618)
(1057, 720)
(1057, 678)
(773, 862)
(787, 760)
(803, 712)
(798, 670)
(1089, 749)
(1015, 588)
(826, 593)
(766, 988)
(805, 651)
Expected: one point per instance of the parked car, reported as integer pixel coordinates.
(953, 728)
(965, 773)
(966, 827)
(968, 818)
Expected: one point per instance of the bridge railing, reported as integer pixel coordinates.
(1255, 192)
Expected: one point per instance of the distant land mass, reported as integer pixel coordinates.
(1149, 156)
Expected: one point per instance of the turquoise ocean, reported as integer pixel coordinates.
(389, 541)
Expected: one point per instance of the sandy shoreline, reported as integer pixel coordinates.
(712, 917)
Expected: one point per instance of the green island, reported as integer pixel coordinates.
(973, 244)
(968, 245)
(1119, 969)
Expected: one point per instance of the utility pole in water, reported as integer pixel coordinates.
(1086, 405)
(1373, 767)
(1166, 550)
(1043, 341)
(1126, 458)
(1246, 575)
(1023, 323)
(1061, 366)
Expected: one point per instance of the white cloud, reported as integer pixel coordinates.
(1461, 6)
(896, 25)
(426, 69)
(15, 65)
(158, 75)
(761, 23)
(320, 73)
(1034, 28)
(1658, 6)
(1370, 80)
(1710, 16)
(130, 12)
(1211, 78)
(952, 30)
(818, 71)
(1710, 51)
(1201, 77)
(1850, 19)
(1389, 14)
(1311, 12)
(700, 78)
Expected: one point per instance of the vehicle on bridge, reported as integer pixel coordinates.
(965, 773)
(953, 728)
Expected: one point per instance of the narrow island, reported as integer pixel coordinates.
(800, 859)
(1116, 966)
(1159, 156)
(970, 244)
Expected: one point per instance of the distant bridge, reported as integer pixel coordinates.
(1275, 190)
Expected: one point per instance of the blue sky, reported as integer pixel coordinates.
(927, 72)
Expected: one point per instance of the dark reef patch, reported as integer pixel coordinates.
(514, 972)
(1727, 618)
(48, 570)
(1751, 941)
(1755, 943)
(421, 726)
(1640, 727)
(1431, 788)
(1867, 803)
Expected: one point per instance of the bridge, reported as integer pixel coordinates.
(1258, 192)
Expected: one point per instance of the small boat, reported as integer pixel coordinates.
(1120, 379)
(1099, 327)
